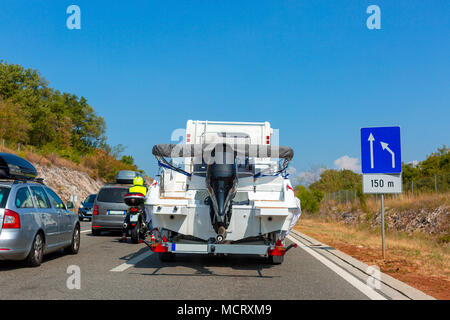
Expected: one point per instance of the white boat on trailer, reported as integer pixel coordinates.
(231, 194)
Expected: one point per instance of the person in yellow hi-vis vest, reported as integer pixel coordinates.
(138, 187)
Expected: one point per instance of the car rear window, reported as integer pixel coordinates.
(4, 192)
(90, 199)
(112, 195)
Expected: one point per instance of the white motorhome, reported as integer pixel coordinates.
(229, 194)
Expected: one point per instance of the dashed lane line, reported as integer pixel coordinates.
(132, 262)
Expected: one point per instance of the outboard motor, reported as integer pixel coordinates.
(221, 180)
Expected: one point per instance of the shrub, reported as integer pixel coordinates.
(310, 199)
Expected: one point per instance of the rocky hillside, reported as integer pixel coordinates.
(429, 214)
(427, 220)
(68, 181)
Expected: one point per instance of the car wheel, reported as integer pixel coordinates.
(135, 232)
(75, 245)
(34, 258)
(96, 232)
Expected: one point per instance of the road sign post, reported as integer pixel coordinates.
(382, 227)
(381, 165)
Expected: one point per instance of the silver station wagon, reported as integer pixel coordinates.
(33, 219)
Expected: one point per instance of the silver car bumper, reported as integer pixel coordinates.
(14, 244)
(108, 222)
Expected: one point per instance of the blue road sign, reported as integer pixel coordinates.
(380, 150)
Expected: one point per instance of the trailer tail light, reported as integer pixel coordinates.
(95, 210)
(160, 247)
(157, 247)
(11, 220)
(279, 250)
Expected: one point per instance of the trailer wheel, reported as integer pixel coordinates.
(167, 256)
(276, 259)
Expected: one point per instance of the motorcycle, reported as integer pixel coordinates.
(134, 224)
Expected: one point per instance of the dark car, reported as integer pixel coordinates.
(109, 208)
(85, 210)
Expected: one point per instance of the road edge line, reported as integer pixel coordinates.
(402, 288)
(364, 288)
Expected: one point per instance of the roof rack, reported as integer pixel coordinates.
(37, 180)
(17, 180)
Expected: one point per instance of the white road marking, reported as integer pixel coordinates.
(361, 286)
(132, 262)
(84, 231)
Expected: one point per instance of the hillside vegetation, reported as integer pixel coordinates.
(37, 118)
(418, 179)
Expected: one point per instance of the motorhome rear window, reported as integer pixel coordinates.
(114, 195)
(4, 192)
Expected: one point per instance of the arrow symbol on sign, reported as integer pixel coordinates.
(371, 140)
(384, 145)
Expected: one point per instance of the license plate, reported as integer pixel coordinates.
(116, 213)
(134, 218)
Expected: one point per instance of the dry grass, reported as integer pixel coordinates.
(417, 259)
(406, 201)
(400, 202)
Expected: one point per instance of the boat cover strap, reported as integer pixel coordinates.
(202, 150)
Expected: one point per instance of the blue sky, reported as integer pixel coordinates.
(311, 68)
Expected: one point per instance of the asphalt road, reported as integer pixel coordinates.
(113, 270)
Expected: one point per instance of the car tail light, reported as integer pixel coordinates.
(11, 220)
(95, 211)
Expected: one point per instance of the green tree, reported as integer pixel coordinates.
(310, 199)
(334, 180)
(49, 119)
(127, 160)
